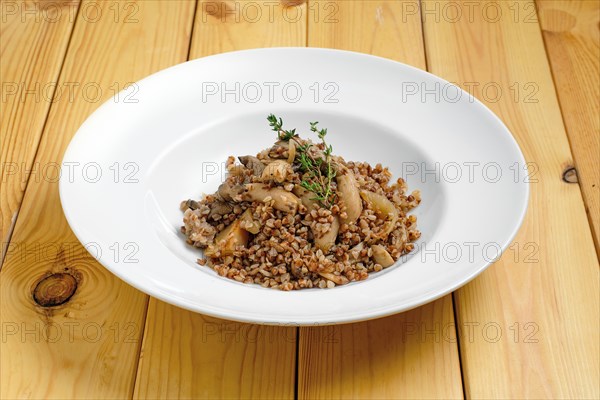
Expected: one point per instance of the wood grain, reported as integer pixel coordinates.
(33, 42)
(541, 302)
(228, 25)
(87, 347)
(570, 30)
(409, 355)
(188, 355)
(386, 28)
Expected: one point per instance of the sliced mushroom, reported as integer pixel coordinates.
(355, 251)
(337, 163)
(282, 199)
(278, 149)
(228, 191)
(228, 240)
(237, 170)
(337, 279)
(349, 194)
(306, 197)
(315, 152)
(249, 223)
(219, 208)
(325, 241)
(384, 208)
(291, 151)
(253, 163)
(381, 256)
(192, 204)
(277, 171)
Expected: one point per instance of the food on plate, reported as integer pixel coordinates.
(297, 216)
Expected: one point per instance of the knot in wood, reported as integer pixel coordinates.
(55, 289)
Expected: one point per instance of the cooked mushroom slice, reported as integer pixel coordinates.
(279, 149)
(228, 191)
(283, 200)
(325, 241)
(355, 251)
(349, 194)
(381, 256)
(237, 170)
(384, 208)
(219, 208)
(277, 171)
(401, 233)
(316, 153)
(253, 163)
(192, 204)
(291, 151)
(337, 279)
(338, 164)
(228, 240)
(306, 197)
(249, 223)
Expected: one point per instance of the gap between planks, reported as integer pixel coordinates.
(6, 241)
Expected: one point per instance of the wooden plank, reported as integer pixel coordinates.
(385, 28)
(33, 42)
(228, 25)
(530, 322)
(188, 355)
(191, 356)
(412, 355)
(570, 30)
(409, 355)
(87, 347)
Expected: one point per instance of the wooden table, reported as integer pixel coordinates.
(526, 328)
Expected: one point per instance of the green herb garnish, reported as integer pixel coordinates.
(277, 125)
(318, 172)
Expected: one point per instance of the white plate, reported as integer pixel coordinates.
(155, 144)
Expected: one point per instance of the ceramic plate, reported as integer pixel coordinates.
(166, 138)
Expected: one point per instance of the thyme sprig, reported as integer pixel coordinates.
(318, 171)
(277, 125)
